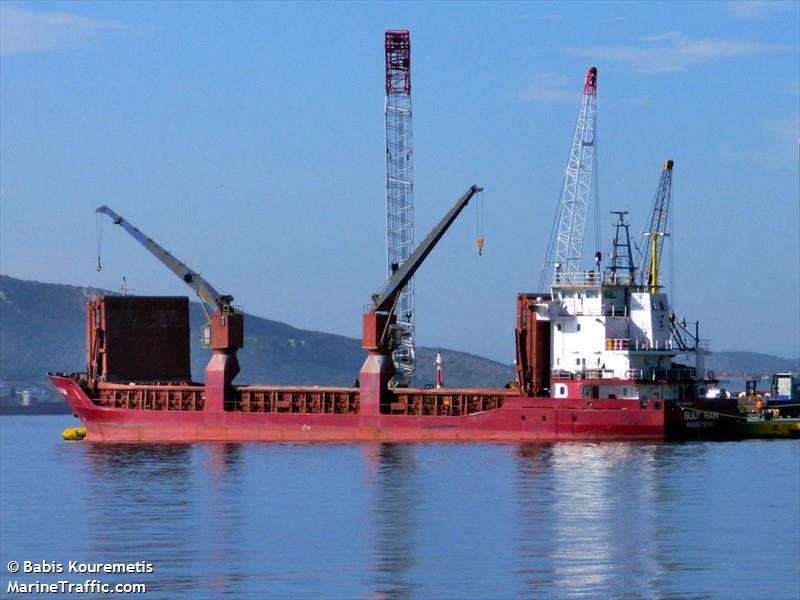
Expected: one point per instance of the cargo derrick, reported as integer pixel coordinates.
(380, 334)
(224, 332)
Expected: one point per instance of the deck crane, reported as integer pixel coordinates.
(224, 332)
(651, 253)
(684, 338)
(566, 244)
(381, 335)
(657, 229)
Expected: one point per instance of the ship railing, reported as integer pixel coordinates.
(647, 345)
(577, 278)
(305, 400)
(617, 343)
(639, 375)
(183, 398)
(645, 375)
(599, 373)
(641, 345)
(570, 308)
(445, 402)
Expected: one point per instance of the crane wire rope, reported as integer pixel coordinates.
(596, 190)
(671, 236)
(549, 252)
(99, 230)
(479, 218)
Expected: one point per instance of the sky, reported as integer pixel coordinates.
(248, 139)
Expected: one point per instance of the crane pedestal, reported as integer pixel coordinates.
(227, 336)
(379, 368)
(374, 379)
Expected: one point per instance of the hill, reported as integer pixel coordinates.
(42, 328)
(750, 362)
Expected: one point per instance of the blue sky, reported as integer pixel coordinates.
(248, 139)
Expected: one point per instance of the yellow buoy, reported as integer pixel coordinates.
(74, 433)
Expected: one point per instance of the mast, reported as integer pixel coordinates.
(621, 252)
(400, 191)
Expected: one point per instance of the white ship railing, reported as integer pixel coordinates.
(640, 375)
(645, 345)
(579, 278)
(643, 375)
(584, 374)
(640, 345)
(611, 311)
(588, 278)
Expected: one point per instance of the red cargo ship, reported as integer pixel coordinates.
(594, 362)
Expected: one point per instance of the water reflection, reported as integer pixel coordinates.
(128, 515)
(395, 485)
(222, 519)
(535, 495)
(255, 521)
(172, 505)
(594, 519)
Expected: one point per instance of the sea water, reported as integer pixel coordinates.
(385, 521)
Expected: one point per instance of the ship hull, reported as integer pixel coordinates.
(518, 419)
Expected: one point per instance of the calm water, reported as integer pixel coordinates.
(571, 520)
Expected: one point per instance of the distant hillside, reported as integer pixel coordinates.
(42, 328)
(750, 362)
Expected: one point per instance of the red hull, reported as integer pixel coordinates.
(518, 419)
